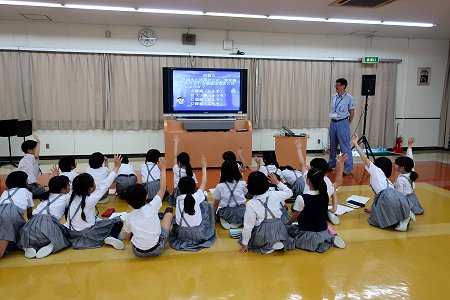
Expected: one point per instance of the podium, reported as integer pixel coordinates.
(212, 144)
(286, 152)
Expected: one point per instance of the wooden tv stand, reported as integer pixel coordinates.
(212, 144)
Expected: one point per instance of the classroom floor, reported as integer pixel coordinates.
(376, 264)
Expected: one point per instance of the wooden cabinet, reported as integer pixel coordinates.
(210, 143)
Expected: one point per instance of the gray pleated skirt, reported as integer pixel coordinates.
(197, 237)
(172, 199)
(94, 236)
(414, 204)
(233, 215)
(269, 232)
(298, 186)
(42, 230)
(123, 182)
(11, 221)
(389, 208)
(152, 188)
(310, 240)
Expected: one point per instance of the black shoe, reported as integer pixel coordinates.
(160, 215)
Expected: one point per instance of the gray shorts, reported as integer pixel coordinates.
(36, 189)
(155, 251)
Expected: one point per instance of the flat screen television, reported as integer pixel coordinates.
(204, 92)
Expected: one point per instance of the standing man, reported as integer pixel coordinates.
(341, 115)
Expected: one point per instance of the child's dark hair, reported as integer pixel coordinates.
(270, 158)
(319, 163)
(65, 164)
(135, 195)
(153, 156)
(385, 165)
(229, 171)
(55, 185)
(229, 155)
(288, 167)
(96, 160)
(187, 186)
(184, 159)
(408, 164)
(125, 159)
(16, 179)
(80, 187)
(28, 145)
(316, 176)
(257, 183)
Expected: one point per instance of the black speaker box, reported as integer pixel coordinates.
(188, 39)
(368, 85)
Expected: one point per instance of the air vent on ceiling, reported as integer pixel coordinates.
(363, 33)
(361, 3)
(36, 17)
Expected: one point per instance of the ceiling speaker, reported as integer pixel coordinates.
(188, 39)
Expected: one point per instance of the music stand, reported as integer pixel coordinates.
(8, 128)
(24, 129)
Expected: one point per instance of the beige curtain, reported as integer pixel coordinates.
(292, 93)
(136, 90)
(11, 96)
(380, 130)
(444, 125)
(67, 90)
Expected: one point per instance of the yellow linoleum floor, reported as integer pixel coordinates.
(376, 264)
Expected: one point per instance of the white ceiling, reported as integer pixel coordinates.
(427, 11)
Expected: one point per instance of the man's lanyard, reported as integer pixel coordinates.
(341, 97)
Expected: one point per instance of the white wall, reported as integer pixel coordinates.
(412, 101)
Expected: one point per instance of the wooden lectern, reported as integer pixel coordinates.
(286, 151)
(210, 143)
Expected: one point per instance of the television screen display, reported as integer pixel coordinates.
(205, 91)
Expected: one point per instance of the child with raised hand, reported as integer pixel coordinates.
(322, 165)
(30, 165)
(150, 173)
(99, 170)
(195, 227)
(43, 234)
(86, 229)
(264, 230)
(270, 163)
(67, 166)
(408, 176)
(310, 211)
(13, 202)
(125, 176)
(182, 168)
(229, 193)
(390, 207)
(148, 236)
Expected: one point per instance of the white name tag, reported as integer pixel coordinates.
(334, 115)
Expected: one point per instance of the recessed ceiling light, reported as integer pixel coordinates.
(292, 18)
(99, 7)
(28, 3)
(248, 16)
(171, 11)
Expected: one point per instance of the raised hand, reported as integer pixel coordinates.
(354, 139)
(298, 144)
(176, 139)
(411, 141)
(54, 170)
(273, 179)
(204, 162)
(162, 163)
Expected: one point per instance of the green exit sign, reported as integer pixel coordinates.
(370, 59)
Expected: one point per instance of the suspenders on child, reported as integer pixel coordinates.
(149, 172)
(266, 209)
(232, 197)
(47, 206)
(9, 196)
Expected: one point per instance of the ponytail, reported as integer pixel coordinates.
(316, 177)
(83, 204)
(413, 176)
(185, 161)
(189, 170)
(189, 204)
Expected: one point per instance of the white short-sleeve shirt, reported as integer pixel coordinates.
(22, 198)
(71, 175)
(195, 219)
(180, 173)
(56, 208)
(99, 174)
(270, 169)
(144, 224)
(29, 165)
(125, 169)
(402, 184)
(289, 175)
(378, 180)
(155, 172)
(222, 193)
(77, 222)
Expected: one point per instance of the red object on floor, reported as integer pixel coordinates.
(108, 212)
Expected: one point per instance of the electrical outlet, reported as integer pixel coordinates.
(47, 146)
(318, 141)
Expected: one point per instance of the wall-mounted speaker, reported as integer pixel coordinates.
(188, 39)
